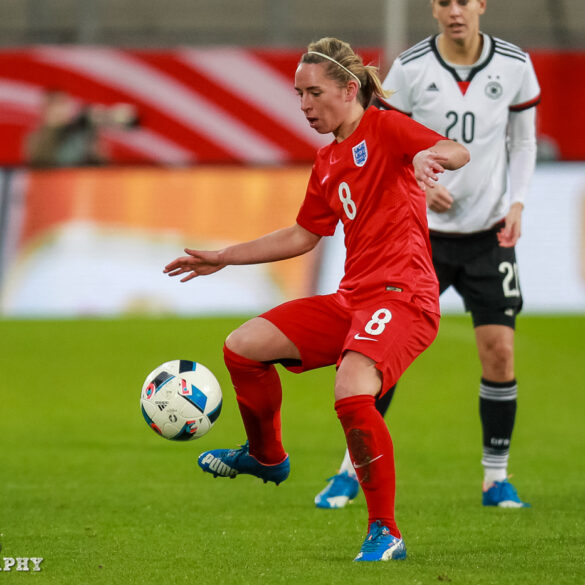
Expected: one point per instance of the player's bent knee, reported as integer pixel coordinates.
(248, 339)
(498, 363)
(357, 374)
(236, 342)
(260, 340)
(500, 351)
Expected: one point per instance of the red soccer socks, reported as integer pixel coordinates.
(372, 455)
(259, 395)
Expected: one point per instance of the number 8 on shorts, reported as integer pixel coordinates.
(377, 324)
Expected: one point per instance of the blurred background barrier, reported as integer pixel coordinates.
(222, 104)
(85, 242)
(93, 242)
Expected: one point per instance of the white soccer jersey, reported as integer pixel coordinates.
(474, 111)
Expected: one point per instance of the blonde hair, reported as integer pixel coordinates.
(342, 64)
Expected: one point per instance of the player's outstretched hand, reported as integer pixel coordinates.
(197, 263)
(428, 164)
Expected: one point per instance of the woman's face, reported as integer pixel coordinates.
(324, 102)
(458, 19)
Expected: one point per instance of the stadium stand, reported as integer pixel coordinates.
(143, 23)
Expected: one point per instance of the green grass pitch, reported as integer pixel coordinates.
(87, 486)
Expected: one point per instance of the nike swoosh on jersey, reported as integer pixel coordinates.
(358, 336)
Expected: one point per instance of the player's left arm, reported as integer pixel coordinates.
(521, 140)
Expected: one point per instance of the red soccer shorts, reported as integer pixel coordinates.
(389, 331)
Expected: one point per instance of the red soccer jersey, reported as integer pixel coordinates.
(367, 181)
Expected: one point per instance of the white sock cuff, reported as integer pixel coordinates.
(347, 465)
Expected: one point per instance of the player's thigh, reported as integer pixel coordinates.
(445, 261)
(392, 334)
(317, 326)
(490, 287)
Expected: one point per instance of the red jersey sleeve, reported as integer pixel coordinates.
(412, 137)
(315, 215)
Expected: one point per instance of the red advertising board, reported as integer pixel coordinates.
(222, 105)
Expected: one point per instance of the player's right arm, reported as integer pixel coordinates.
(278, 245)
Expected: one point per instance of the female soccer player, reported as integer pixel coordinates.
(385, 312)
(482, 92)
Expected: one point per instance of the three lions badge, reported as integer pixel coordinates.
(360, 153)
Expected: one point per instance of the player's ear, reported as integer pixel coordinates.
(352, 89)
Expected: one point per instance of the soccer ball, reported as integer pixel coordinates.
(181, 400)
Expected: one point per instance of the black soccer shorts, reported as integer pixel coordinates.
(482, 272)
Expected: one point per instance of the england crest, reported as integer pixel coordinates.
(360, 153)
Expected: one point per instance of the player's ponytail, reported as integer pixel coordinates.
(343, 65)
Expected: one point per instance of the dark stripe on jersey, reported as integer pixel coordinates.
(474, 70)
(419, 53)
(509, 50)
(414, 57)
(511, 55)
(525, 105)
(507, 45)
(421, 44)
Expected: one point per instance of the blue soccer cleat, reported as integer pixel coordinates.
(503, 495)
(341, 489)
(231, 462)
(380, 545)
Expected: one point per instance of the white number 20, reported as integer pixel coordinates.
(346, 200)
